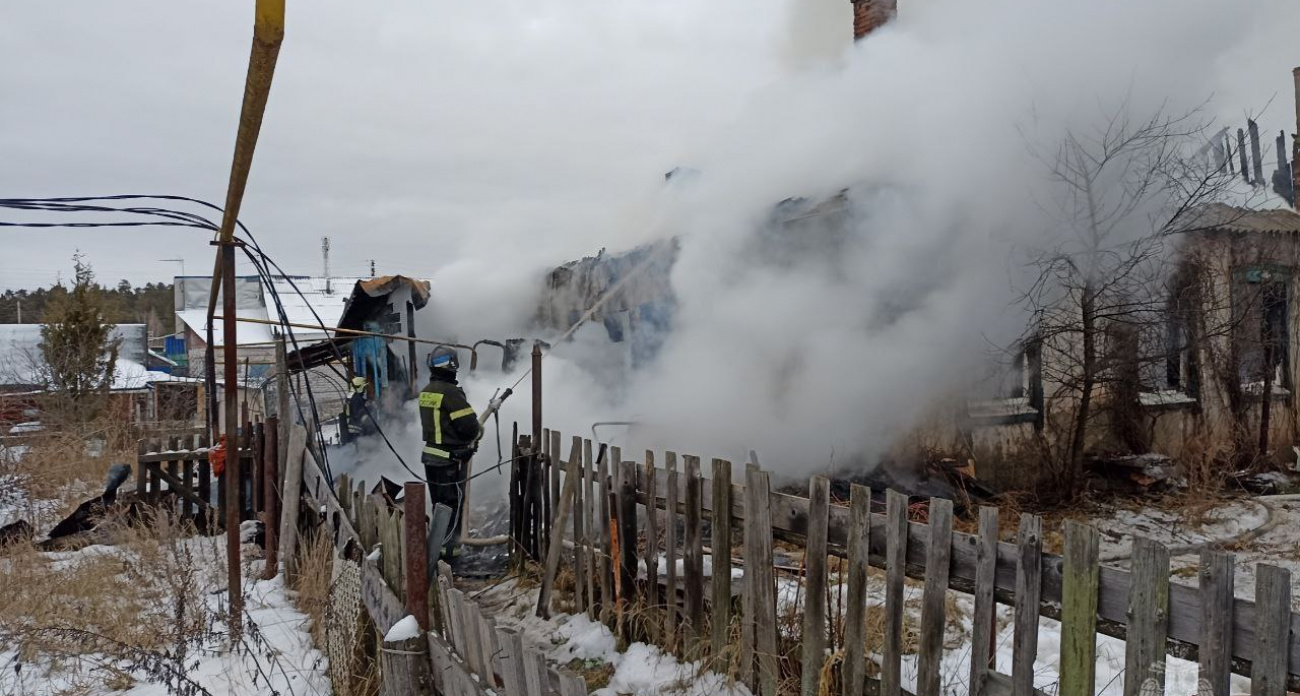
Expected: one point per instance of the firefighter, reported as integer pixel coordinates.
(451, 433)
(356, 413)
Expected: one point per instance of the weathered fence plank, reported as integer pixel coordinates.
(1217, 594)
(814, 608)
(670, 552)
(1144, 652)
(720, 616)
(512, 657)
(606, 556)
(651, 556)
(934, 596)
(760, 582)
(1028, 574)
(555, 548)
(694, 552)
(417, 553)
(1272, 611)
(984, 616)
(627, 530)
(855, 617)
(895, 567)
(581, 500)
(1079, 610)
(406, 668)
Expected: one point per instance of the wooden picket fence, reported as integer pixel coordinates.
(180, 464)
(615, 545)
(461, 652)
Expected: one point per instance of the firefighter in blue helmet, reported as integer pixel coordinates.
(451, 431)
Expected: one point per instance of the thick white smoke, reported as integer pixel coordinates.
(931, 123)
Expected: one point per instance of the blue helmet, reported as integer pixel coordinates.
(444, 358)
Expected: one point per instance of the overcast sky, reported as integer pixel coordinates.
(409, 132)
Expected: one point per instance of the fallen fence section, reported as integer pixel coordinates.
(455, 648)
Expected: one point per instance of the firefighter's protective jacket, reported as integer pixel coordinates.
(449, 422)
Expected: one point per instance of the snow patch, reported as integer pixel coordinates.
(405, 629)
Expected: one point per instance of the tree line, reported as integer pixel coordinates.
(124, 303)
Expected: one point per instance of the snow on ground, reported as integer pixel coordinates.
(275, 655)
(641, 670)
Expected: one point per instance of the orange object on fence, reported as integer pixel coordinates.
(217, 457)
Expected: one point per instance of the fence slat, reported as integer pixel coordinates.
(814, 608)
(855, 658)
(932, 598)
(512, 656)
(1028, 591)
(553, 533)
(694, 552)
(984, 616)
(1144, 653)
(555, 549)
(186, 475)
(1080, 575)
(651, 544)
(606, 567)
(670, 551)
(627, 531)
(895, 571)
(535, 671)
(1272, 630)
(572, 685)
(759, 581)
(589, 505)
(1217, 594)
(720, 612)
(470, 621)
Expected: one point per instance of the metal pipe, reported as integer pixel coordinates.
(231, 358)
(351, 332)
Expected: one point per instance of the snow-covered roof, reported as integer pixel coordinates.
(298, 295)
(21, 360)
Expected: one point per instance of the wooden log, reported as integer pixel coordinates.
(1268, 674)
(855, 616)
(933, 618)
(895, 567)
(763, 587)
(1028, 573)
(417, 553)
(406, 667)
(1144, 654)
(984, 615)
(721, 545)
(694, 553)
(814, 607)
(1079, 610)
(670, 551)
(557, 544)
(1217, 593)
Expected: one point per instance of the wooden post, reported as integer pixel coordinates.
(553, 464)
(257, 462)
(417, 554)
(721, 541)
(543, 470)
(1268, 672)
(292, 497)
(855, 616)
(607, 598)
(406, 667)
(1028, 591)
(670, 551)
(895, 569)
(578, 464)
(933, 618)
(651, 557)
(186, 475)
(141, 471)
(760, 581)
(984, 616)
(173, 465)
(271, 494)
(694, 553)
(1217, 599)
(1080, 577)
(206, 520)
(627, 529)
(556, 548)
(814, 608)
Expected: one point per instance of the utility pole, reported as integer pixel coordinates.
(372, 268)
(268, 34)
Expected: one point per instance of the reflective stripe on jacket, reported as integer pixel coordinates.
(448, 421)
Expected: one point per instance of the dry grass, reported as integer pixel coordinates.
(61, 469)
(312, 582)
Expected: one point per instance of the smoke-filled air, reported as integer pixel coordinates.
(931, 139)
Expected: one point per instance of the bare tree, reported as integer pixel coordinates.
(1103, 296)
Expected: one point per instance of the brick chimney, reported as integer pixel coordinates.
(1295, 141)
(869, 15)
